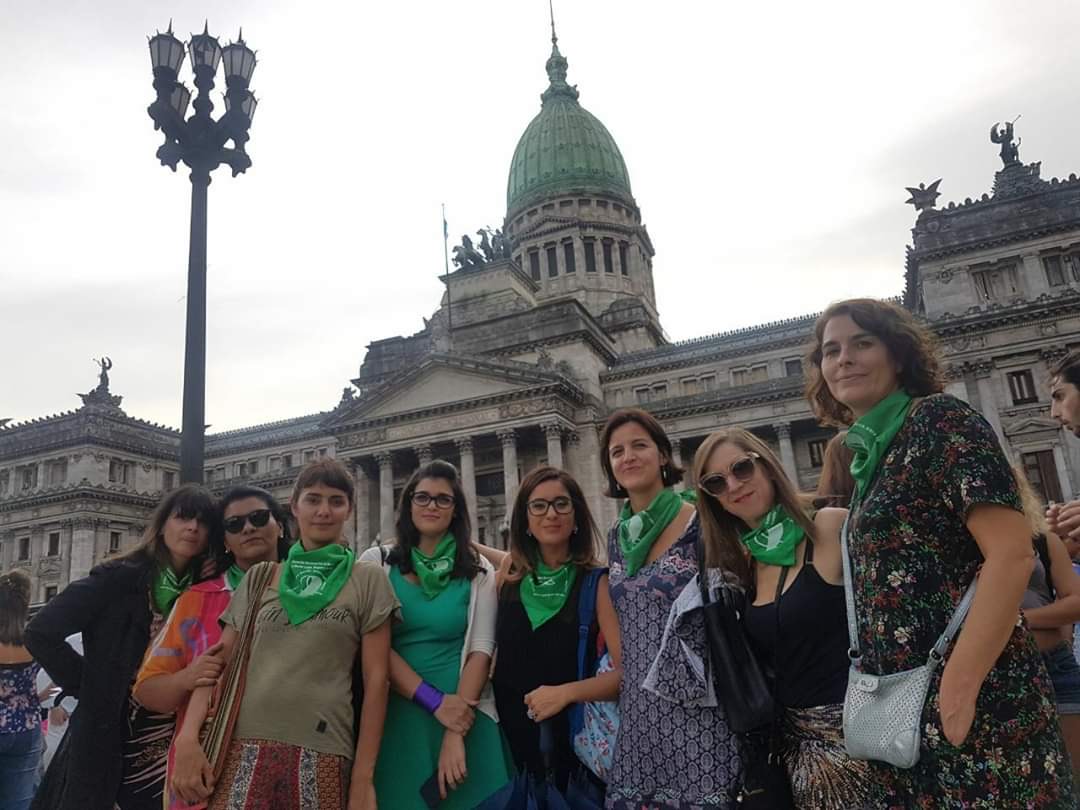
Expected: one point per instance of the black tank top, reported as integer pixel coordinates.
(811, 650)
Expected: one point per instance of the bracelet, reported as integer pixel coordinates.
(427, 697)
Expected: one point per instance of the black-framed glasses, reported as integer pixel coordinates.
(258, 519)
(538, 507)
(742, 471)
(442, 500)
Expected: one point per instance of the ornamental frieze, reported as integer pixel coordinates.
(361, 438)
(49, 567)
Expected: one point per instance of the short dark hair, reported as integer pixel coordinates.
(186, 501)
(466, 561)
(330, 473)
(1067, 368)
(279, 512)
(523, 546)
(14, 605)
(670, 474)
(908, 343)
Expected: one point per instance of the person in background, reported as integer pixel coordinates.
(21, 740)
(59, 705)
(836, 486)
(1063, 519)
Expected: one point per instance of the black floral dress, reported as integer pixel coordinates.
(912, 558)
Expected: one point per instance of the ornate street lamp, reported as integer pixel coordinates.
(199, 142)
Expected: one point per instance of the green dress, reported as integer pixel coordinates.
(430, 637)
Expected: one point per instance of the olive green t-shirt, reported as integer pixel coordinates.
(299, 677)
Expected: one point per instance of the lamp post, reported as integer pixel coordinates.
(199, 141)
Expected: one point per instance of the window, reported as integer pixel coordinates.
(691, 387)
(996, 284)
(552, 261)
(568, 257)
(286, 461)
(275, 463)
(50, 592)
(54, 544)
(5, 479)
(659, 391)
(309, 456)
(322, 452)
(57, 471)
(641, 394)
(489, 484)
(609, 266)
(240, 469)
(253, 467)
(118, 471)
(753, 374)
(28, 477)
(590, 255)
(793, 367)
(1055, 275)
(1022, 387)
(534, 264)
(24, 548)
(168, 480)
(208, 476)
(708, 382)
(624, 258)
(114, 541)
(817, 451)
(1042, 473)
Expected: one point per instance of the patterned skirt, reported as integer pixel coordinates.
(267, 775)
(823, 776)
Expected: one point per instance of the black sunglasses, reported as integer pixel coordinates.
(742, 470)
(258, 519)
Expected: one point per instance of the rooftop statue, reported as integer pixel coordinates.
(101, 394)
(924, 197)
(466, 256)
(1010, 152)
(103, 377)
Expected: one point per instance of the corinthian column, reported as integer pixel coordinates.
(386, 495)
(508, 439)
(787, 451)
(468, 474)
(553, 433)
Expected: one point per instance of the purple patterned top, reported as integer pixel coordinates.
(19, 707)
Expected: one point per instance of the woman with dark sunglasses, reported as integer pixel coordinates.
(187, 653)
(788, 558)
(552, 558)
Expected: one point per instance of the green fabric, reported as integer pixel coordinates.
(544, 591)
(167, 588)
(310, 580)
(638, 532)
(434, 572)
(429, 639)
(234, 575)
(872, 434)
(775, 539)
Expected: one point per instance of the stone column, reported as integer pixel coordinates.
(66, 547)
(1063, 474)
(676, 460)
(467, 468)
(553, 433)
(361, 500)
(508, 440)
(385, 461)
(787, 451)
(423, 453)
(37, 539)
(987, 398)
(7, 549)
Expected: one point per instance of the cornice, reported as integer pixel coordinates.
(980, 319)
(99, 494)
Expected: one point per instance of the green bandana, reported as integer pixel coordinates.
(234, 575)
(872, 434)
(310, 580)
(434, 571)
(168, 587)
(638, 532)
(773, 542)
(544, 591)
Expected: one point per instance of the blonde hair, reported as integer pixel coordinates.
(720, 529)
(1034, 508)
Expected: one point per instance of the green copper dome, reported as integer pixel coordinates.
(564, 149)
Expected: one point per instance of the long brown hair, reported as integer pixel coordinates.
(836, 486)
(524, 550)
(720, 529)
(188, 501)
(14, 605)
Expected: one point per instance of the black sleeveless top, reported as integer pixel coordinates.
(811, 650)
(527, 659)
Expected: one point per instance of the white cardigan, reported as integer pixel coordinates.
(480, 631)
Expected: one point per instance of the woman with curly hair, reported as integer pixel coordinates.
(935, 506)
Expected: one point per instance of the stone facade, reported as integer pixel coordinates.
(523, 360)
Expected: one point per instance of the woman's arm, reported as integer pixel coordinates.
(1004, 538)
(492, 555)
(828, 557)
(1066, 610)
(165, 693)
(375, 666)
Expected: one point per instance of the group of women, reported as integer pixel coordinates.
(430, 676)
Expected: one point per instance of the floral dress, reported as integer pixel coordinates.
(912, 558)
(667, 756)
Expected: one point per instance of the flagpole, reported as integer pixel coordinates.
(446, 262)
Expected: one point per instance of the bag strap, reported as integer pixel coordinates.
(1043, 550)
(942, 644)
(586, 613)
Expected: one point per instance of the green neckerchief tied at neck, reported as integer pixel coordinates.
(434, 571)
(869, 438)
(234, 575)
(638, 532)
(545, 590)
(167, 588)
(311, 580)
(775, 539)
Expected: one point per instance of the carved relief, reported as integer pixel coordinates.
(1048, 329)
(362, 437)
(49, 567)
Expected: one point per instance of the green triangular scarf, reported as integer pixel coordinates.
(434, 571)
(167, 588)
(872, 434)
(310, 580)
(775, 539)
(638, 532)
(545, 590)
(234, 575)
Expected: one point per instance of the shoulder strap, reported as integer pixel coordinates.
(780, 580)
(586, 614)
(808, 554)
(1043, 550)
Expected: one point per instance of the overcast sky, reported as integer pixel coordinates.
(768, 146)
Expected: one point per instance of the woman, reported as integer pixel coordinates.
(187, 654)
(674, 751)
(552, 549)
(835, 485)
(1051, 606)
(295, 744)
(441, 655)
(115, 750)
(935, 505)
(796, 617)
(21, 739)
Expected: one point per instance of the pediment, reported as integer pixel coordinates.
(1032, 424)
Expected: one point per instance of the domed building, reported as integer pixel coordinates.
(546, 327)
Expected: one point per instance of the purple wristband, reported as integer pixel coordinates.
(427, 697)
